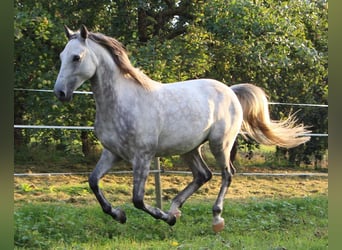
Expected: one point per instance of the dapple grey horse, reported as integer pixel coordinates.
(138, 119)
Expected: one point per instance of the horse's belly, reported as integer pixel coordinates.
(181, 142)
(176, 149)
(185, 125)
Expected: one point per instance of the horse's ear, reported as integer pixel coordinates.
(68, 32)
(84, 32)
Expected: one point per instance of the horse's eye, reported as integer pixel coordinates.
(76, 58)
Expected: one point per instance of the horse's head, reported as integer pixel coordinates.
(78, 64)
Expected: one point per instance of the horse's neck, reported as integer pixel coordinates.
(112, 89)
(104, 88)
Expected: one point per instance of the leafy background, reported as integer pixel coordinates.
(279, 45)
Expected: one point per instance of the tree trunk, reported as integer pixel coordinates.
(86, 143)
(142, 25)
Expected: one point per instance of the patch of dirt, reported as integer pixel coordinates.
(118, 188)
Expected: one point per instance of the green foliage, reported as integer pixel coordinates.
(278, 45)
(297, 223)
(182, 58)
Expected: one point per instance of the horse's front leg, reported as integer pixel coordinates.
(140, 173)
(102, 167)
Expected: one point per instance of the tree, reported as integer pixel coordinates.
(38, 41)
(278, 45)
(164, 19)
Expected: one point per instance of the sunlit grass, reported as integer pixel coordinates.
(300, 223)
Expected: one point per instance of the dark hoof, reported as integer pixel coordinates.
(119, 215)
(171, 220)
(122, 217)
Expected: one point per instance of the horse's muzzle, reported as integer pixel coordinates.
(62, 96)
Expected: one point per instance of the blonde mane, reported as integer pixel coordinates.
(120, 57)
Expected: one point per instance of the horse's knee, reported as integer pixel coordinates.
(204, 177)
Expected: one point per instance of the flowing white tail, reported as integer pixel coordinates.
(258, 125)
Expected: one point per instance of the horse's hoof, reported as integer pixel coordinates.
(119, 216)
(122, 218)
(219, 226)
(171, 220)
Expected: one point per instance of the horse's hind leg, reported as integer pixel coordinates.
(102, 167)
(233, 153)
(222, 155)
(201, 174)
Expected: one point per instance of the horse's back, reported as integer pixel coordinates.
(192, 112)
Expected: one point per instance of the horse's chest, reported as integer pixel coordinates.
(117, 135)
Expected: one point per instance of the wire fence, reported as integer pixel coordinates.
(90, 93)
(157, 171)
(18, 126)
(176, 172)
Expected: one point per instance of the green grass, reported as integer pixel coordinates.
(298, 223)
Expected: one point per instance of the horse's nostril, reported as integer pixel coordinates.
(61, 94)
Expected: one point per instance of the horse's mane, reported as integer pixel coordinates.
(120, 57)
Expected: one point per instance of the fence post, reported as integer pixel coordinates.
(158, 183)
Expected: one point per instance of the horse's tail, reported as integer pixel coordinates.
(258, 125)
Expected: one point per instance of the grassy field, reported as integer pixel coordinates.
(272, 213)
(297, 223)
(60, 212)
